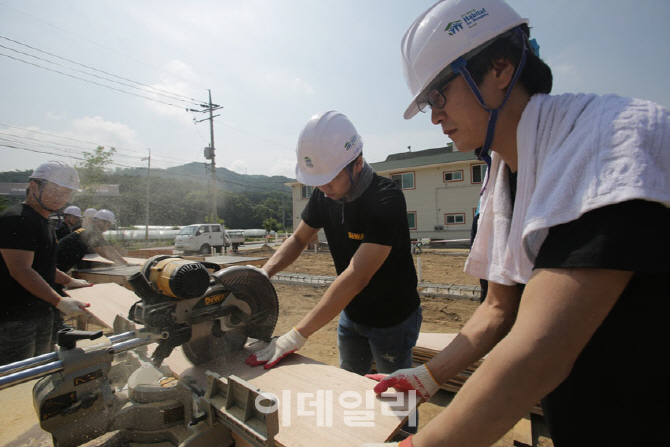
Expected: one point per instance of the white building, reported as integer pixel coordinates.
(441, 188)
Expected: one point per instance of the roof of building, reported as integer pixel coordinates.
(425, 157)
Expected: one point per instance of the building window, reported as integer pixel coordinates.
(306, 192)
(453, 176)
(404, 180)
(478, 173)
(411, 219)
(454, 219)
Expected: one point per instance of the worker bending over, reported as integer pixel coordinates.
(88, 240)
(72, 219)
(364, 217)
(586, 333)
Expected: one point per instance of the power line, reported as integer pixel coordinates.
(219, 180)
(176, 95)
(153, 90)
(91, 82)
(91, 143)
(80, 37)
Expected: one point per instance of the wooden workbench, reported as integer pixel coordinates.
(318, 403)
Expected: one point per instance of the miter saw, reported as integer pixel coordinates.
(206, 313)
(95, 384)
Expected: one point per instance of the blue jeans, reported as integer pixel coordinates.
(390, 348)
(20, 340)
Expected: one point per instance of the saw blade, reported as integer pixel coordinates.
(204, 346)
(254, 312)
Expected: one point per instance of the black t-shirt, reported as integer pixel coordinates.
(73, 247)
(21, 228)
(378, 216)
(618, 390)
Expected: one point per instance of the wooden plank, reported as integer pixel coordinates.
(523, 432)
(106, 300)
(116, 274)
(99, 261)
(430, 344)
(227, 261)
(317, 402)
(429, 341)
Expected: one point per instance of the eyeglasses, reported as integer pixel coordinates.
(435, 99)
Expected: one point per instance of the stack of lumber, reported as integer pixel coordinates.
(430, 344)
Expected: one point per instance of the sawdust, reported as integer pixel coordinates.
(439, 315)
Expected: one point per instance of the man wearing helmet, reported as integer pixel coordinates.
(28, 271)
(88, 240)
(364, 217)
(566, 175)
(88, 217)
(71, 221)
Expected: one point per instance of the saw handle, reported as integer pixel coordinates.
(67, 338)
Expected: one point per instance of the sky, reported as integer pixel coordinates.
(77, 74)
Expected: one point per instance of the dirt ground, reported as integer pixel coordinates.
(439, 315)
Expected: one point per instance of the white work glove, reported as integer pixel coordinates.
(407, 442)
(419, 379)
(259, 270)
(278, 348)
(78, 283)
(71, 307)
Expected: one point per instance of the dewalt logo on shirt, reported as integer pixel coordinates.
(356, 236)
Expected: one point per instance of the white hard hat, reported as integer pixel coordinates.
(327, 144)
(90, 212)
(58, 172)
(448, 30)
(105, 215)
(73, 210)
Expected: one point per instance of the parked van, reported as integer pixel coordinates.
(200, 238)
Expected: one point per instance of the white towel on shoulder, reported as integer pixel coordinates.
(576, 153)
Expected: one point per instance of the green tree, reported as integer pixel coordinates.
(270, 224)
(92, 171)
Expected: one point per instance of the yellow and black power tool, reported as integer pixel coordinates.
(207, 310)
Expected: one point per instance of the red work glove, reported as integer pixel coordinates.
(277, 349)
(419, 379)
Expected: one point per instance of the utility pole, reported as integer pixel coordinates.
(283, 216)
(146, 224)
(210, 150)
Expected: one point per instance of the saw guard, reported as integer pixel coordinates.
(255, 297)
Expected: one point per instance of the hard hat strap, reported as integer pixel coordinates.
(39, 198)
(460, 66)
